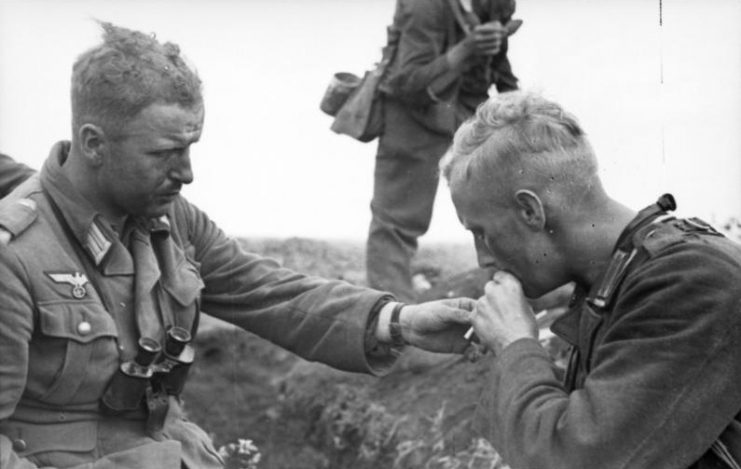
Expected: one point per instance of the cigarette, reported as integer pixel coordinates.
(469, 333)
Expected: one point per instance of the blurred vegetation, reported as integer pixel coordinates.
(307, 415)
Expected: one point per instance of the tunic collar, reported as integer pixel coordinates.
(94, 233)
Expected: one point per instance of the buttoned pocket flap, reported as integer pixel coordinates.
(79, 321)
(41, 438)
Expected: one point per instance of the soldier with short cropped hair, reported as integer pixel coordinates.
(109, 266)
(654, 378)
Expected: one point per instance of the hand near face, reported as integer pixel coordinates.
(438, 326)
(503, 315)
(488, 38)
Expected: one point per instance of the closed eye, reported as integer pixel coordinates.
(166, 153)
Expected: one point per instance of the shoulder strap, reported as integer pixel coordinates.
(627, 250)
(630, 250)
(460, 18)
(722, 452)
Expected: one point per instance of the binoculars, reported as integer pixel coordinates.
(164, 370)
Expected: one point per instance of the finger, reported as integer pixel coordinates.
(455, 310)
(489, 27)
(503, 277)
(487, 41)
(463, 315)
(462, 302)
(492, 289)
(487, 49)
(467, 304)
(482, 305)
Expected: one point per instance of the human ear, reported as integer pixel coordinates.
(92, 143)
(530, 209)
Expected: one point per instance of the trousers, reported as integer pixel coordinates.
(406, 177)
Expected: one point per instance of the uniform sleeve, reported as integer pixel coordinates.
(320, 320)
(421, 58)
(16, 327)
(12, 173)
(663, 383)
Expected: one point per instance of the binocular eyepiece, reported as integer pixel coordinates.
(177, 339)
(147, 351)
(164, 370)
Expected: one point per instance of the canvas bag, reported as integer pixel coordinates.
(361, 116)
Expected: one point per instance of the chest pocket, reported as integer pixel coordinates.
(73, 353)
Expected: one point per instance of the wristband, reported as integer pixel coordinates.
(397, 338)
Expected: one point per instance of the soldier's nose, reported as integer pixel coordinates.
(483, 256)
(181, 170)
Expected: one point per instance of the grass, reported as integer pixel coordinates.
(307, 415)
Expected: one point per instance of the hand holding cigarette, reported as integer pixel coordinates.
(503, 315)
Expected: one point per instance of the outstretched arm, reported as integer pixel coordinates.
(436, 326)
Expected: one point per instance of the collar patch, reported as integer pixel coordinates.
(96, 243)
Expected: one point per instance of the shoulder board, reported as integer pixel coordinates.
(646, 241)
(15, 217)
(658, 236)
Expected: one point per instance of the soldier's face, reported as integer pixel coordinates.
(502, 239)
(149, 161)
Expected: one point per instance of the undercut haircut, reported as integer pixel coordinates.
(521, 137)
(129, 71)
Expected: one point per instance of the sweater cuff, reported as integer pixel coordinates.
(518, 355)
(380, 356)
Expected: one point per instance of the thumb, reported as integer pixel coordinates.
(468, 304)
(461, 309)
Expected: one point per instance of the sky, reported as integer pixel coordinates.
(656, 85)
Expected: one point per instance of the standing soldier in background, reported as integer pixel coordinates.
(449, 53)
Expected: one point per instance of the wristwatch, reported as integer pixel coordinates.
(397, 338)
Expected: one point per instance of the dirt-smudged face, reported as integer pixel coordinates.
(149, 161)
(503, 240)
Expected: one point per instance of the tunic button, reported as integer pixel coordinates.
(19, 445)
(84, 328)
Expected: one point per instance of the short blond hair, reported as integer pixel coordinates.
(521, 136)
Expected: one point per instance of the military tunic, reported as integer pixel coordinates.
(12, 173)
(655, 376)
(77, 293)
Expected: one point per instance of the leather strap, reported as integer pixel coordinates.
(397, 338)
(721, 450)
(460, 18)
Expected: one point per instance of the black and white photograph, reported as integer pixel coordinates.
(327, 234)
